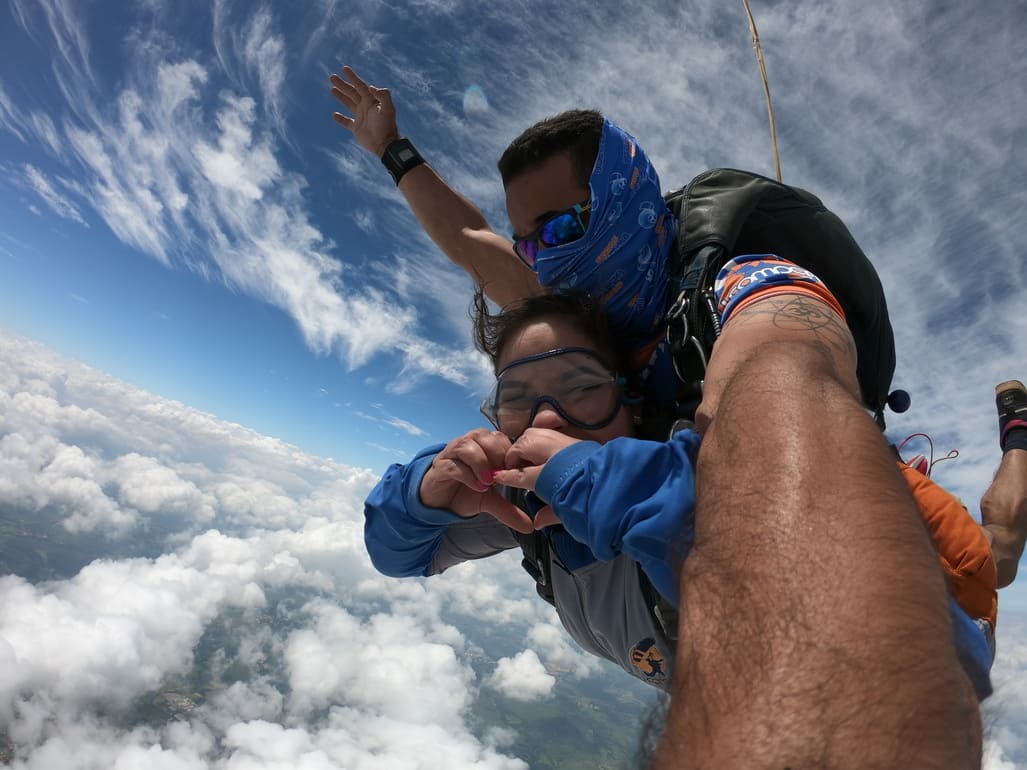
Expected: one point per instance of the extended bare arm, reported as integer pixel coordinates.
(455, 224)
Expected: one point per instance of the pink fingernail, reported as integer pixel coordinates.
(489, 477)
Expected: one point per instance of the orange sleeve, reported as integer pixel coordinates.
(815, 290)
(963, 549)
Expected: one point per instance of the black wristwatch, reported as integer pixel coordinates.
(400, 157)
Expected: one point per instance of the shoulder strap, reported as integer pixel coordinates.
(664, 613)
(535, 558)
(536, 562)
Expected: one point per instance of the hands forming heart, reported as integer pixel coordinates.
(463, 476)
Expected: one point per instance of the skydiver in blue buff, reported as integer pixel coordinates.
(804, 352)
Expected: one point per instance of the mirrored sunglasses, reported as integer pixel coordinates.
(559, 229)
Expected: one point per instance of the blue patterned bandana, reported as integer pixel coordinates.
(622, 257)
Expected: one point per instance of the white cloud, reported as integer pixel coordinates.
(495, 590)
(238, 165)
(522, 677)
(245, 702)
(559, 652)
(392, 421)
(89, 743)
(39, 472)
(257, 501)
(46, 132)
(128, 206)
(65, 28)
(357, 739)
(386, 664)
(36, 125)
(151, 487)
(113, 631)
(425, 356)
(264, 53)
(405, 426)
(102, 453)
(251, 49)
(364, 219)
(10, 116)
(398, 454)
(59, 204)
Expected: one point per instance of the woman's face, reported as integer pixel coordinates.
(579, 382)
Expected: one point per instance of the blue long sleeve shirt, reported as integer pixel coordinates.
(628, 497)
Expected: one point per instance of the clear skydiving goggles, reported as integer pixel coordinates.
(575, 382)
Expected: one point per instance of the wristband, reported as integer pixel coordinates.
(401, 156)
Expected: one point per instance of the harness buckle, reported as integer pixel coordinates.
(680, 306)
(685, 345)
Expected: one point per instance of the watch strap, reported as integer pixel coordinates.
(401, 156)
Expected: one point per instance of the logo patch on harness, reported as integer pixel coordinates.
(647, 658)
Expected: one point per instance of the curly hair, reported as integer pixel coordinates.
(575, 132)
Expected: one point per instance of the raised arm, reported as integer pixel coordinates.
(455, 224)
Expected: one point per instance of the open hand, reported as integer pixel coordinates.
(373, 120)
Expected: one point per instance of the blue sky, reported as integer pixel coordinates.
(178, 211)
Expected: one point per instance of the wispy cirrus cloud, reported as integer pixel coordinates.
(186, 171)
(398, 454)
(252, 49)
(62, 25)
(10, 115)
(384, 418)
(60, 204)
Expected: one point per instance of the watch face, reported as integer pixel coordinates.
(400, 157)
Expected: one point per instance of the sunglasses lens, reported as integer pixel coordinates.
(527, 250)
(562, 229)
